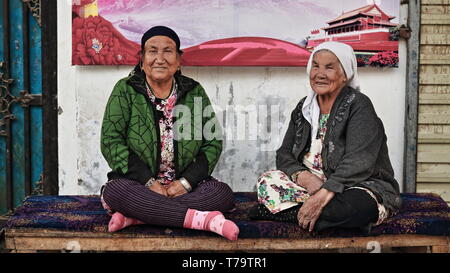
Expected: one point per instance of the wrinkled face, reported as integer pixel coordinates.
(327, 75)
(160, 60)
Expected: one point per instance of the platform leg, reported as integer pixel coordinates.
(440, 249)
(24, 251)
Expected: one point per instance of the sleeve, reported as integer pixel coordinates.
(285, 158)
(209, 153)
(364, 138)
(121, 159)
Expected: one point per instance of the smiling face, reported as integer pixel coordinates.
(327, 77)
(160, 59)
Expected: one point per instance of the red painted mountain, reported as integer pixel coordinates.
(243, 51)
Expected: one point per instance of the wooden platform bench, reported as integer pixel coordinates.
(79, 224)
(34, 240)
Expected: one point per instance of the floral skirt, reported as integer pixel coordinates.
(277, 191)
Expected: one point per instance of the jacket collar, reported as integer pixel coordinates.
(137, 81)
(311, 111)
(347, 90)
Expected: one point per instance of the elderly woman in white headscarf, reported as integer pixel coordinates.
(333, 165)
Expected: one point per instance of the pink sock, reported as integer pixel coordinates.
(211, 221)
(119, 221)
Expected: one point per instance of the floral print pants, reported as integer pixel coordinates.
(277, 191)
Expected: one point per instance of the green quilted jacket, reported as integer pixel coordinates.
(130, 138)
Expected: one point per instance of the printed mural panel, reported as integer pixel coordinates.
(236, 32)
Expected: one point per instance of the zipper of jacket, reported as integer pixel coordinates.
(158, 139)
(326, 145)
(175, 151)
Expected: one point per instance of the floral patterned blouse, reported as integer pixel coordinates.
(313, 159)
(166, 173)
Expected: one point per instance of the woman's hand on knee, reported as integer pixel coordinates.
(176, 189)
(310, 211)
(309, 181)
(158, 188)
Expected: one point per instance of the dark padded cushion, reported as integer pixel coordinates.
(425, 214)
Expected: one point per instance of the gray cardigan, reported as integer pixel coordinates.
(354, 152)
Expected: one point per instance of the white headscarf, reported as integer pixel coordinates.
(347, 58)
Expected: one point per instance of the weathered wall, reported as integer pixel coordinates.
(83, 92)
(433, 157)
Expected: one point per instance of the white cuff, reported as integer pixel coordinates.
(150, 182)
(185, 184)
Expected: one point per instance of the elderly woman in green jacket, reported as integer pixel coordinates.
(333, 165)
(162, 141)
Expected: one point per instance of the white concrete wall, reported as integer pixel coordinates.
(83, 92)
